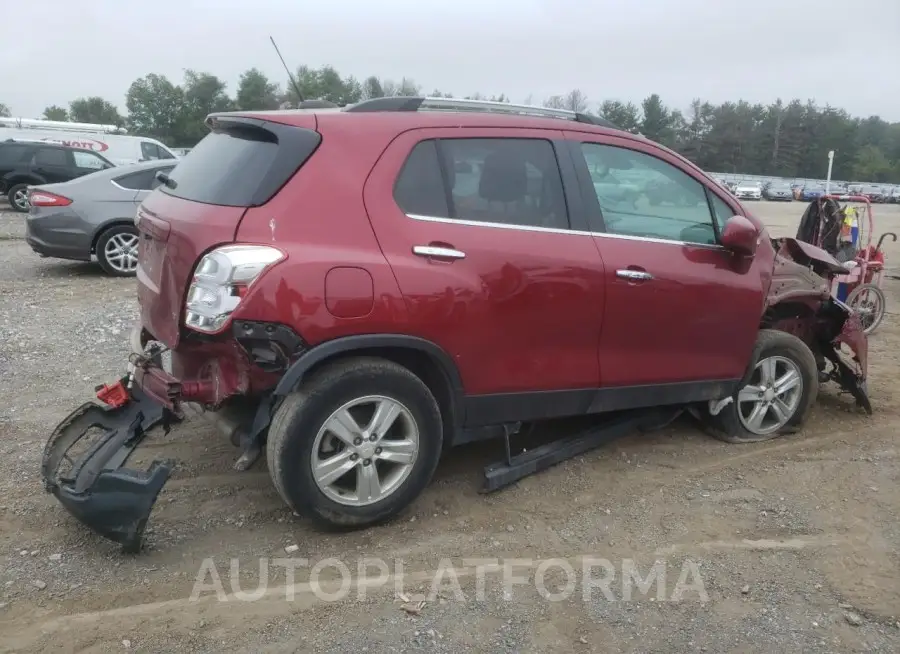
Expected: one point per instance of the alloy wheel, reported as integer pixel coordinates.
(365, 450)
(121, 252)
(20, 199)
(772, 397)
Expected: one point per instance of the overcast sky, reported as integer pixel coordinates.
(718, 50)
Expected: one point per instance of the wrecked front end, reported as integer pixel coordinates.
(800, 302)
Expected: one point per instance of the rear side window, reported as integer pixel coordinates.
(495, 180)
(144, 180)
(149, 150)
(10, 155)
(50, 157)
(242, 163)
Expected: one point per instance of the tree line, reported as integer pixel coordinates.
(788, 139)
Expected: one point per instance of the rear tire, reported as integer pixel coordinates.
(18, 198)
(305, 455)
(117, 250)
(775, 397)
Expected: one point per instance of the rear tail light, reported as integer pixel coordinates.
(221, 280)
(47, 199)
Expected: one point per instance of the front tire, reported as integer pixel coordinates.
(18, 198)
(356, 444)
(117, 250)
(775, 397)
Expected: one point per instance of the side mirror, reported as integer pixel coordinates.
(740, 236)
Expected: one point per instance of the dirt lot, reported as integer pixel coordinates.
(796, 543)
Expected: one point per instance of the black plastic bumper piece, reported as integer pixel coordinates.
(113, 501)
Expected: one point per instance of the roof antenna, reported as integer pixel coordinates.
(288, 71)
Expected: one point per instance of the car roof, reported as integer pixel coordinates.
(470, 114)
(39, 143)
(51, 144)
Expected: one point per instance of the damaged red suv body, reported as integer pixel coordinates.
(357, 290)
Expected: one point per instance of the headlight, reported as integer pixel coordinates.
(221, 279)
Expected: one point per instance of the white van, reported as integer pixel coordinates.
(111, 141)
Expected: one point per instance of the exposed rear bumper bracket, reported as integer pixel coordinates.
(92, 485)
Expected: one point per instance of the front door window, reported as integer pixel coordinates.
(643, 196)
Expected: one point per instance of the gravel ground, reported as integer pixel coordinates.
(785, 546)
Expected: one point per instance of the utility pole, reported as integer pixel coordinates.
(830, 164)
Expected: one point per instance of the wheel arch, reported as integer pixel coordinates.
(786, 309)
(795, 316)
(105, 227)
(423, 358)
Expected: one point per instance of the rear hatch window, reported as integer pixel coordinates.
(242, 162)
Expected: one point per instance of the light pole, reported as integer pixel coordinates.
(830, 164)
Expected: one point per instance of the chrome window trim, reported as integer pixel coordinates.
(555, 230)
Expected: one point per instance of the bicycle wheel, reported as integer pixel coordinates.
(868, 300)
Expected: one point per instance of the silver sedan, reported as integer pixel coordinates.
(93, 216)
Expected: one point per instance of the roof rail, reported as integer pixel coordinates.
(419, 103)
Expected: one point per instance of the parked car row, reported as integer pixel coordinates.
(774, 188)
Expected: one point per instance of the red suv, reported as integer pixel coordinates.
(357, 289)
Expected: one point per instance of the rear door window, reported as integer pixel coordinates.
(419, 190)
(242, 164)
(505, 181)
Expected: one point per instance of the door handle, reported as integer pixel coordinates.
(437, 252)
(634, 275)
